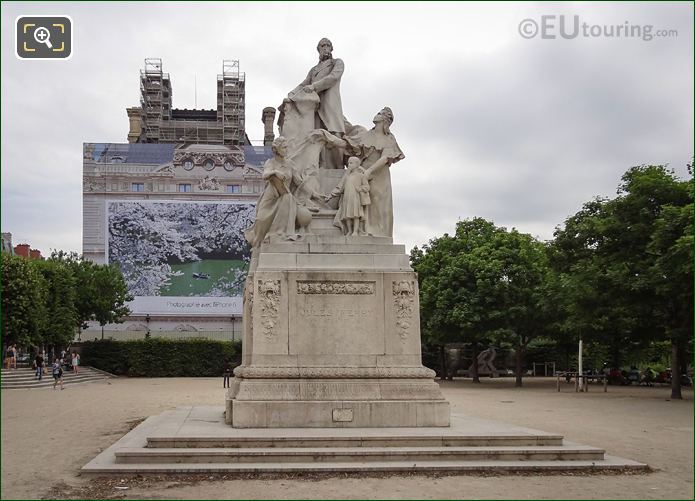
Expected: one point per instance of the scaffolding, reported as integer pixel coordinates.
(155, 98)
(231, 102)
(225, 127)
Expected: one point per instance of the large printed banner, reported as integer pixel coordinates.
(181, 258)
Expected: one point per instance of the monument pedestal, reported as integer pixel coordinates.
(332, 337)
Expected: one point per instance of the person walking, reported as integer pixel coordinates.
(57, 374)
(45, 359)
(6, 356)
(75, 363)
(226, 373)
(38, 361)
(13, 356)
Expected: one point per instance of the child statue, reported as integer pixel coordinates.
(351, 217)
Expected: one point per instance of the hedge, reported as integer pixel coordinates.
(156, 357)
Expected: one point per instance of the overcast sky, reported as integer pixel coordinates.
(519, 131)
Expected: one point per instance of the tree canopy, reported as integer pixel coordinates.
(47, 301)
(480, 284)
(618, 273)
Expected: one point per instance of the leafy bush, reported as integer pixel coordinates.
(156, 357)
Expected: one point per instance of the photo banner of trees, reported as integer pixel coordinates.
(179, 249)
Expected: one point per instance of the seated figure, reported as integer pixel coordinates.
(276, 210)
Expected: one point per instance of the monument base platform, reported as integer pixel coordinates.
(197, 440)
(337, 414)
(332, 338)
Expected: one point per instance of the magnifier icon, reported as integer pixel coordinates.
(42, 35)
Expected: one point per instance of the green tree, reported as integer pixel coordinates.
(100, 293)
(453, 307)
(616, 260)
(482, 283)
(671, 245)
(588, 280)
(522, 291)
(110, 295)
(23, 300)
(59, 325)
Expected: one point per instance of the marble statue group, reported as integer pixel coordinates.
(315, 135)
(331, 321)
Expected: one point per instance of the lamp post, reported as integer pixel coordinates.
(147, 319)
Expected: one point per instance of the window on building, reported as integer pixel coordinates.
(137, 187)
(188, 164)
(209, 164)
(233, 188)
(228, 165)
(184, 188)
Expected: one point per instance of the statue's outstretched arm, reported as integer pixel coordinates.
(376, 166)
(327, 138)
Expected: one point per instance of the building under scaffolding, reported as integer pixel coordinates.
(180, 170)
(155, 121)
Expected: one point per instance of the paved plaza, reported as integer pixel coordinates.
(42, 452)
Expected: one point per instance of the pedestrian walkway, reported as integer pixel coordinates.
(24, 378)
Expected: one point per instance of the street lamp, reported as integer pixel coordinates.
(147, 319)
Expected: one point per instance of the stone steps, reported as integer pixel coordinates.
(26, 379)
(196, 440)
(356, 454)
(442, 440)
(608, 463)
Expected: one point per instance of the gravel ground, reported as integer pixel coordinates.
(48, 435)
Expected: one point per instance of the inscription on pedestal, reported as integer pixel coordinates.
(336, 313)
(332, 317)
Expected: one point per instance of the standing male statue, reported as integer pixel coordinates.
(324, 79)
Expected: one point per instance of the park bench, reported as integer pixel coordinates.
(581, 381)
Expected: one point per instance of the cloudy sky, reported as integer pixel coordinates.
(521, 131)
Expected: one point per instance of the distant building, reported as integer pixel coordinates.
(7, 243)
(25, 250)
(169, 208)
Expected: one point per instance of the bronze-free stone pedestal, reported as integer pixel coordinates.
(332, 337)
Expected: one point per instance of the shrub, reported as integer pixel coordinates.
(156, 357)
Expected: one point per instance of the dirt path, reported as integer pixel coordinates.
(42, 451)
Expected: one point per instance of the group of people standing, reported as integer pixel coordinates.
(40, 363)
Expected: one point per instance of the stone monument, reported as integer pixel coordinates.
(331, 378)
(331, 334)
